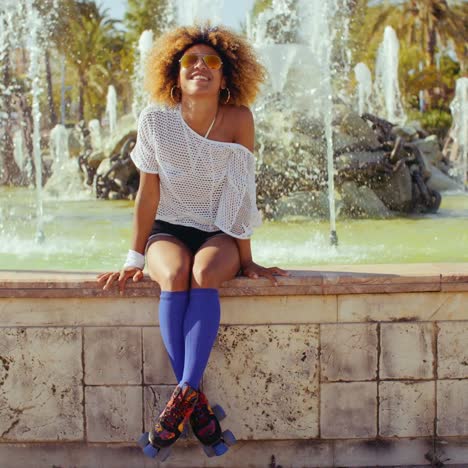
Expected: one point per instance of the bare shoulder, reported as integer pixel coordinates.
(239, 114)
(240, 118)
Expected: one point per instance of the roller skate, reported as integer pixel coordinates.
(205, 425)
(170, 424)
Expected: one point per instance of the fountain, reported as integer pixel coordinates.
(192, 11)
(111, 109)
(307, 142)
(364, 79)
(140, 96)
(459, 131)
(386, 85)
(34, 20)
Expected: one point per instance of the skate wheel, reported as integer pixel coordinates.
(229, 438)
(220, 449)
(143, 441)
(219, 412)
(209, 451)
(150, 451)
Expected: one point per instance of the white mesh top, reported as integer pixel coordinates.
(206, 184)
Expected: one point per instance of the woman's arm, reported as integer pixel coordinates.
(146, 205)
(246, 137)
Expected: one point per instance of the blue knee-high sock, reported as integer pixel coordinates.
(172, 309)
(200, 328)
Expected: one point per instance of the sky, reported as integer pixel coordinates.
(233, 13)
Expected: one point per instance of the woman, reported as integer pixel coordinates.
(197, 177)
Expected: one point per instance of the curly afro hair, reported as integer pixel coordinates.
(241, 68)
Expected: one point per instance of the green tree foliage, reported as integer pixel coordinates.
(431, 25)
(147, 14)
(96, 51)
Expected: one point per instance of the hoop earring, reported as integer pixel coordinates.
(172, 94)
(228, 94)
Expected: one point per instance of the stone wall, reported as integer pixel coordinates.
(329, 369)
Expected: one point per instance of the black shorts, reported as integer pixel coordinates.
(192, 237)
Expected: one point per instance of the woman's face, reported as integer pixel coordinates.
(199, 79)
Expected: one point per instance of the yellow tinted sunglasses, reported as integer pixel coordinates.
(211, 61)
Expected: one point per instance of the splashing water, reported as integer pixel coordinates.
(190, 12)
(386, 78)
(111, 109)
(140, 96)
(459, 109)
(364, 79)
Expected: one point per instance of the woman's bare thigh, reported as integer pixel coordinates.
(169, 263)
(216, 261)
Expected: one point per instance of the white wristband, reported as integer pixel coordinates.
(134, 260)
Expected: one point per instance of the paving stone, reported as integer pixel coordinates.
(112, 355)
(348, 410)
(266, 379)
(348, 352)
(407, 409)
(41, 394)
(114, 414)
(407, 351)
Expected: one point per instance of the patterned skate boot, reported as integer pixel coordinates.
(205, 425)
(170, 423)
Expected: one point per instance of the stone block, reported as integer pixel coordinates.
(263, 310)
(348, 352)
(266, 379)
(156, 364)
(430, 306)
(402, 453)
(41, 397)
(452, 350)
(155, 398)
(74, 311)
(407, 351)
(348, 410)
(112, 355)
(113, 414)
(452, 408)
(407, 409)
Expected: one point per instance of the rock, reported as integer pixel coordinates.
(396, 193)
(104, 166)
(303, 204)
(430, 148)
(353, 125)
(360, 158)
(362, 202)
(441, 182)
(95, 159)
(405, 132)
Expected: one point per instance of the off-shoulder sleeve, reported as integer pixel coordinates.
(237, 212)
(144, 153)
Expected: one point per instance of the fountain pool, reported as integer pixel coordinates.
(94, 235)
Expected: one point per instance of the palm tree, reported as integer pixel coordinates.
(431, 25)
(82, 35)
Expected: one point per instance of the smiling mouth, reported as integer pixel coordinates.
(200, 78)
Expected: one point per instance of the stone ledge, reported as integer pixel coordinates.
(321, 280)
(402, 452)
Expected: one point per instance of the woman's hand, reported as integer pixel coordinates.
(107, 279)
(252, 270)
